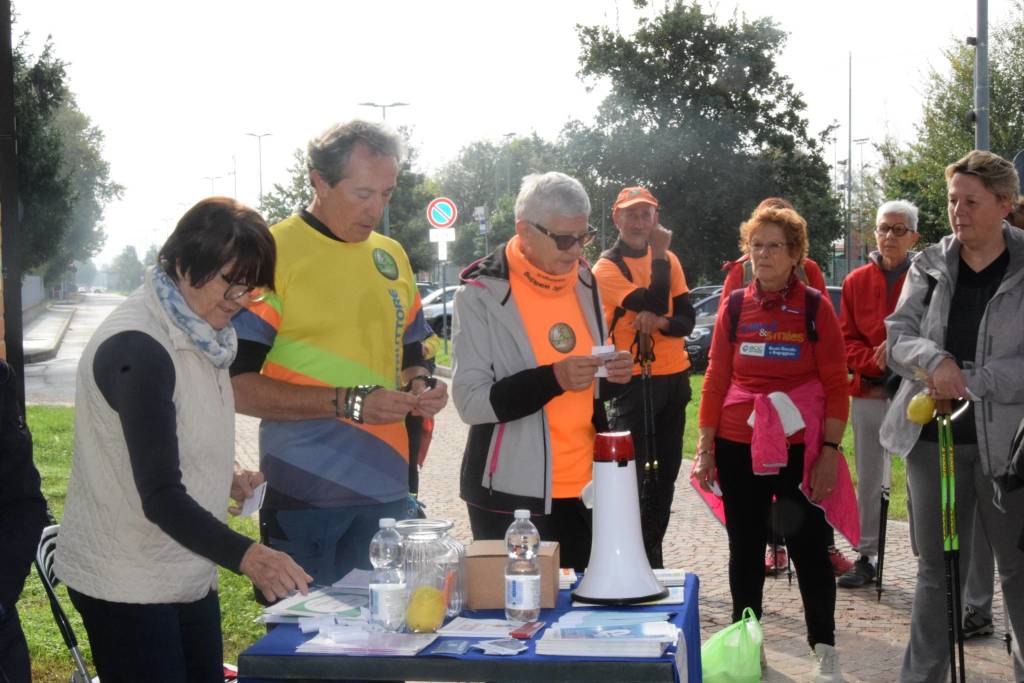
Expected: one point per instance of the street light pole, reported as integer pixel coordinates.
(860, 178)
(384, 117)
(212, 178)
(259, 151)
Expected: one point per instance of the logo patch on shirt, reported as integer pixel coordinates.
(562, 337)
(385, 264)
(752, 349)
(783, 351)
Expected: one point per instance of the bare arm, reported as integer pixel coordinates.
(272, 399)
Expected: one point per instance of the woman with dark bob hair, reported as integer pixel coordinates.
(772, 414)
(143, 525)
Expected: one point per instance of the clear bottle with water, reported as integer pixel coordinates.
(522, 569)
(387, 584)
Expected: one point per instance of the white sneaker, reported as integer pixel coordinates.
(826, 669)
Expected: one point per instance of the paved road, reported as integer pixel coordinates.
(871, 635)
(53, 381)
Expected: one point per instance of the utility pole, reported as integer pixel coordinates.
(384, 117)
(10, 225)
(849, 164)
(259, 151)
(212, 178)
(980, 113)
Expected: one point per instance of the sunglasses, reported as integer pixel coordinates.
(566, 242)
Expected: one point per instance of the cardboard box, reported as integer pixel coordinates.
(485, 574)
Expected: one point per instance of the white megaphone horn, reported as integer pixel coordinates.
(619, 573)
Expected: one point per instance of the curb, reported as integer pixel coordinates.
(50, 352)
(443, 371)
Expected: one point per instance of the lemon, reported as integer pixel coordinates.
(921, 408)
(425, 611)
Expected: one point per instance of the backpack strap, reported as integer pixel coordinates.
(733, 308)
(615, 256)
(811, 304)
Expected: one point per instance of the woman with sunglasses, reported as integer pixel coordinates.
(525, 324)
(143, 528)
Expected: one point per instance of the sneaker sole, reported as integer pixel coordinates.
(983, 631)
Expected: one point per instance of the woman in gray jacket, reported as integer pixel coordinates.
(526, 321)
(958, 330)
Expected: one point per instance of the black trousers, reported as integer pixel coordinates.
(14, 661)
(160, 642)
(748, 498)
(669, 395)
(570, 523)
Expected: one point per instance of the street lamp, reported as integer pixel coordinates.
(384, 117)
(212, 178)
(259, 150)
(383, 107)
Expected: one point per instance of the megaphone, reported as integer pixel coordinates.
(619, 573)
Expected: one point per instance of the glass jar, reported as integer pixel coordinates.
(434, 564)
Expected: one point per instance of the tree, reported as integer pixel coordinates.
(151, 256)
(85, 273)
(64, 182)
(489, 175)
(284, 200)
(45, 186)
(946, 133)
(127, 270)
(699, 113)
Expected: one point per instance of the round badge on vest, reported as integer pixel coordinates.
(385, 264)
(562, 337)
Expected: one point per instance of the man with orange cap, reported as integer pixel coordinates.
(645, 293)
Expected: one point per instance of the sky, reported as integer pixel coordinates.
(177, 86)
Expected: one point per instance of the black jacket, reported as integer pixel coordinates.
(22, 506)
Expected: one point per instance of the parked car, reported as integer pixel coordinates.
(426, 288)
(435, 309)
(701, 292)
(698, 342)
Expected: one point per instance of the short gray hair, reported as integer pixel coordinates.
(899, 206)
(329, 152)
(543, 196)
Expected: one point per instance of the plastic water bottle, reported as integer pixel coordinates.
(387, 585)
(522, 570)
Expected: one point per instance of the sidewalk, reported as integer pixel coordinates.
(871, 635)
(43, 335)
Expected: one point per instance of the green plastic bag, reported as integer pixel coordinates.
(733, 655)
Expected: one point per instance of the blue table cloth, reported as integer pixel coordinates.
(273, 657)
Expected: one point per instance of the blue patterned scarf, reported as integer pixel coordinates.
(218, 346)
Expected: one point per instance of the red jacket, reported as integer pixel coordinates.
(866, 304)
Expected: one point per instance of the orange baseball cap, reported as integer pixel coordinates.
(634, 195)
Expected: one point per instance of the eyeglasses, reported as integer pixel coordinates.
(236, 290)
(566, 242)
(767, 247)
(896, 230)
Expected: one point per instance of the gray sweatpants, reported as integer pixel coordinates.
(873, 468)
(927, 654)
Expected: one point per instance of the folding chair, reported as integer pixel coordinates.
(44, 565)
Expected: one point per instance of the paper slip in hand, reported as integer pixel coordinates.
(605, 353)
(254, 502)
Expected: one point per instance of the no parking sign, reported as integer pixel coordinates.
(441, 214)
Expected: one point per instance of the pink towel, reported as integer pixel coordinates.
(840, 508)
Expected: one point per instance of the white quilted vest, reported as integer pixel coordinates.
(107, 548)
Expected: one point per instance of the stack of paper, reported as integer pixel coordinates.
(323, 602)
(671, 577)
(610, 634)
(354, 641)
(463, 627)
(566, 578)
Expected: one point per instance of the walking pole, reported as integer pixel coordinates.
(648, 490)
(950, 540)
(883, 518)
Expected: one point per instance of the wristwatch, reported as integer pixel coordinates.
(833, 445)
